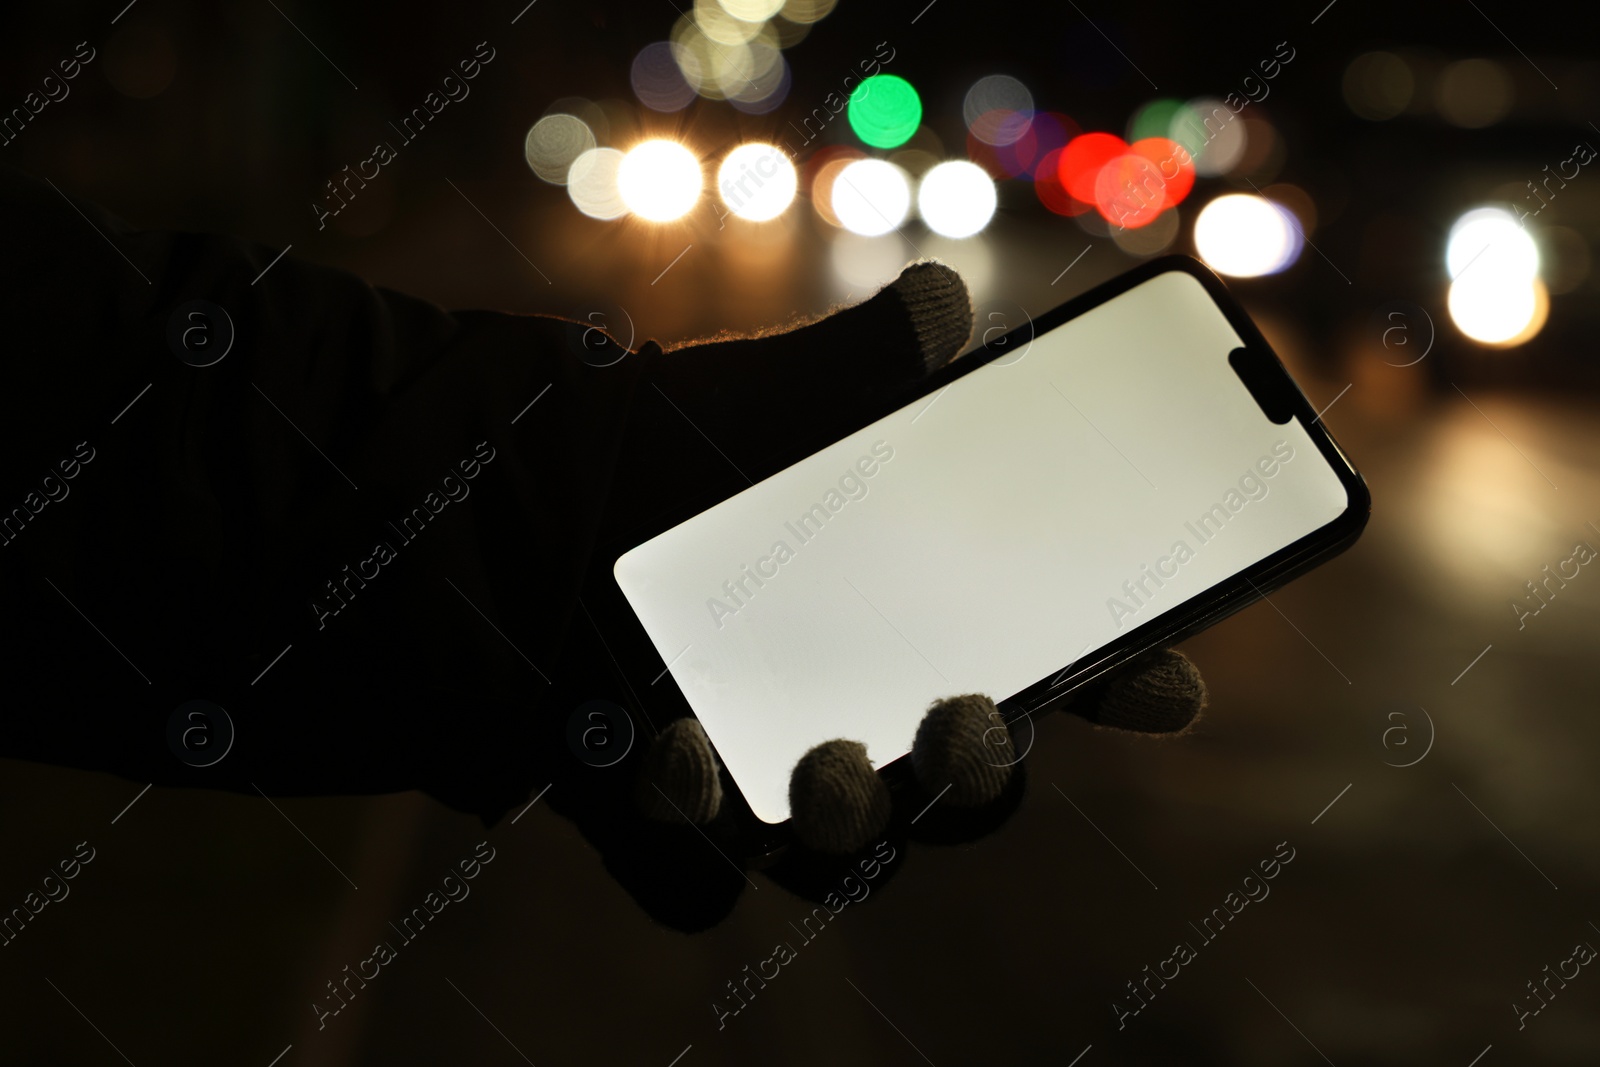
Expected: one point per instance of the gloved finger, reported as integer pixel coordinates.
(837, 803)
(963, 752)
(968, 769)
(680, 782)
(1161, 693)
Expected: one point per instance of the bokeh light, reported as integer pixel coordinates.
(1496, 296)
(731, 60)
(956, 199)
(1500, 317)
(884, 111)
(1129, 191)
(657, 81)
(806, 12)
(1489, 242)
(822, 170)
(722, 28)
(1135, 187)
(553, 143)
(998, 109)
(789, 33)
(1211, 132)
(1378, 85)
(764, 85)
(1151, 176)
(659, 180)
(1046, 132)
(592, 184)
(1246, 236)
(870, 197)
(1473, 93)
(1154, 119)
(752, 10)
(1082, 159)
(757, 182)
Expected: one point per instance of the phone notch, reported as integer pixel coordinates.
(1263, 375)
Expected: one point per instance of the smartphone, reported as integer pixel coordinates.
(1105, 480)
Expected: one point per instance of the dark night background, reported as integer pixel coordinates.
(1417, 906)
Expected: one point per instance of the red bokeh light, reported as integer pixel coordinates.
(1082, 160)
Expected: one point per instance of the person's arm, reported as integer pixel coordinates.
(352, 532)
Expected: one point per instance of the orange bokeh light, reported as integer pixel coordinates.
(1173, 162)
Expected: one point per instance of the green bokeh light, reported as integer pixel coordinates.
(1154, 119)
(885, 111)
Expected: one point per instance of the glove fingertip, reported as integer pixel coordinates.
(1161, 694)
(940, 309)
(680, 782)
(837, 801)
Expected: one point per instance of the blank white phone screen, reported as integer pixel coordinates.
(977, 540)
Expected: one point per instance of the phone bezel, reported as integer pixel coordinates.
(754, 837)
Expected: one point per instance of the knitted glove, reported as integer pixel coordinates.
(963, 756)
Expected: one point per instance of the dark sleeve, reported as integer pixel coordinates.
(361, 531)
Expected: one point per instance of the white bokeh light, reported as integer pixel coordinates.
(871, 197)
(757, 182)
(1246, 236)
(553, 143)
(1489, 241)
(751, 10)
(1493, 313)
(659, 180)
(1496, 296)
(956, 199)
(592, 184)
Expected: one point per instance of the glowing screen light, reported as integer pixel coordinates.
(1246, 236)
(659, 180)
(757, 182)
(1496, 295)
(871, 197)
(956, 199)
(885, 111)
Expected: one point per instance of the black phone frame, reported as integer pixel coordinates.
(742, 831)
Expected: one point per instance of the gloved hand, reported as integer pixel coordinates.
(713, 417)
(365, 532)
